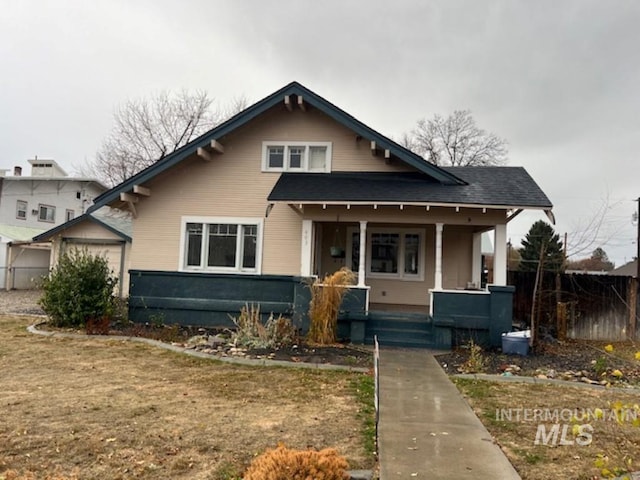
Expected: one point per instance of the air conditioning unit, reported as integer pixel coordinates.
(34, 212)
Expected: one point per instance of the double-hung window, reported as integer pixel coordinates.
(21, 209)
(296, 157)
(222, 244)
(391, 253)
(46, 213)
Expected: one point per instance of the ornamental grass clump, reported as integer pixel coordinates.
(283, 463)
(326, 298)
(252, 333)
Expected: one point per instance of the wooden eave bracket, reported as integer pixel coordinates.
(550, 216)
(514, 214)
(140, 190)
(206, 155)
(130, 200)
(301, 105)
(298, 208)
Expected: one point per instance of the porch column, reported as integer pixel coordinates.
(437, 284)
(476, 259)
(500, 256)
(362, 258)
(306, 252)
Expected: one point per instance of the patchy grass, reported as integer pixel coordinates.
(119, 410)
(614, 447)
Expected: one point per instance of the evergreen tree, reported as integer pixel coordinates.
(541, 237)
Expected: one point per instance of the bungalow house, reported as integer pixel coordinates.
(293, 187)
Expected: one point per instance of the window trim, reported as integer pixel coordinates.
(26, 209)
(402, 232)
(239, 221)
(304, 167)
(50, 207)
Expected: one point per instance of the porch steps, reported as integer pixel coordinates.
(400, 329)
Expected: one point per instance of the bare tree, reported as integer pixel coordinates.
(595, 231)
(456, 140)
(147, 130)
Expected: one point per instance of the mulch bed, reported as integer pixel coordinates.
(568, 360)
(216, 341)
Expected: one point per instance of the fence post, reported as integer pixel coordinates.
(633, 308)
(561, 317)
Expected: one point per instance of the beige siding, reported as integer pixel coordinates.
(234, 185)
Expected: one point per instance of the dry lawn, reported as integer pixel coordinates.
(119, 410)
(614, 447)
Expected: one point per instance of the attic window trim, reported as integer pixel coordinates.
(287, 148)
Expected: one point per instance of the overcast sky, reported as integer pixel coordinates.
(559, 80)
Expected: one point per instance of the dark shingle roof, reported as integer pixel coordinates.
(499, 186)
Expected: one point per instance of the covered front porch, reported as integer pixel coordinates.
(419, 271)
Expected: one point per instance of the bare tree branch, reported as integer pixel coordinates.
(146, 130)
(456, 140)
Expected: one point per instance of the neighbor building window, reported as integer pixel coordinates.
(46, 213)
(222, 244)
(70, 215)
(296, 156)
(391, 253)
(21, 209)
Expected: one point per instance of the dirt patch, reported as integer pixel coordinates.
(570, 360)
(113, 409)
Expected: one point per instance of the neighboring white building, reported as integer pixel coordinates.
(30, 205)
(46, 198)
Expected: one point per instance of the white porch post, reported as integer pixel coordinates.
(476, 258)
(306, 251)
(437, 284)
(500, 256)
(363, 254)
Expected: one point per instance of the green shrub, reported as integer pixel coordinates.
(78, 289)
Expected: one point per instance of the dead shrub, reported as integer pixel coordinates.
(283, 463)
(326, 298)
(251, 332)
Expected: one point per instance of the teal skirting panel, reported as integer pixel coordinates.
(478, 316)
(211, 299)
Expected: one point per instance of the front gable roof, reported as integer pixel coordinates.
(438, 174)
(119, 227)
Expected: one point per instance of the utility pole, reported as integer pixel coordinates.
(634, 323)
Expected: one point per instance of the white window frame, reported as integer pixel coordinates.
(402, 232)
(24, 210)
(304, 167)
(239, 221)
(69, 215)
(47, 207)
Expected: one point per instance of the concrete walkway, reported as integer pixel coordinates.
(426, 429)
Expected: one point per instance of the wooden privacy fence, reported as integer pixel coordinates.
(579, 306)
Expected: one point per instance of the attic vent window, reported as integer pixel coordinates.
(296, 157)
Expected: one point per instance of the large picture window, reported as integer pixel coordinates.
(221, 244)
(391, 253)
(296, 157)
